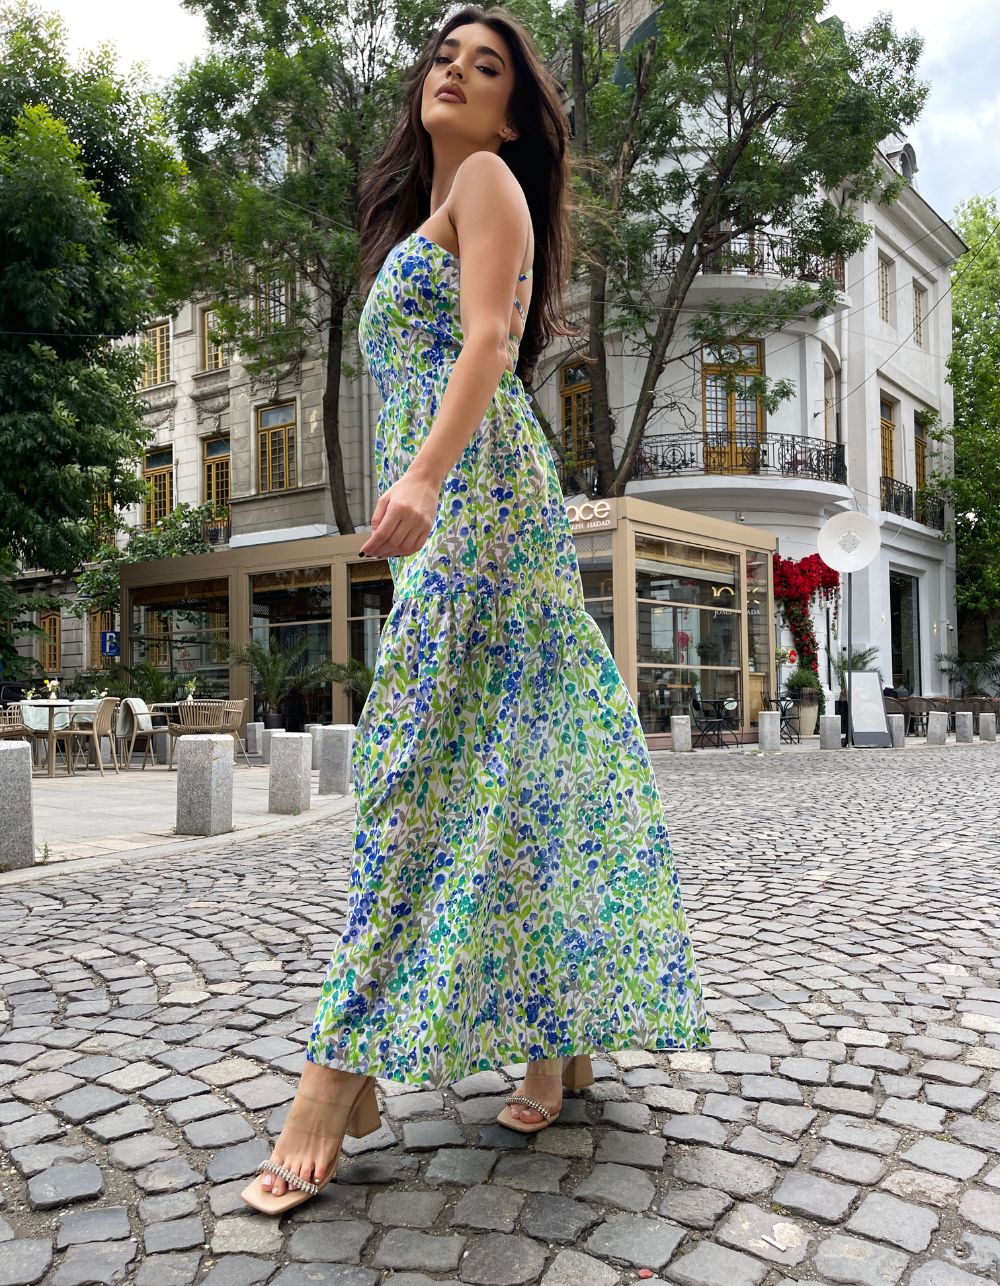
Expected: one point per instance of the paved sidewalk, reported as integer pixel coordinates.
(845, 1127)
(87, 815)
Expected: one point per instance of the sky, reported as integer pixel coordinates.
(957, 140)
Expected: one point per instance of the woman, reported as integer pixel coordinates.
(513, 895)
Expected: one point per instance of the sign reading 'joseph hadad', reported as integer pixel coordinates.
(591, 515)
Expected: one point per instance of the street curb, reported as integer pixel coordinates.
(197, 843)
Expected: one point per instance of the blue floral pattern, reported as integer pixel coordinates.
(513, 892)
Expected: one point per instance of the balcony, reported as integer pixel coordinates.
(217, 531)
(754, 254)
(897, 498)
(776, 455)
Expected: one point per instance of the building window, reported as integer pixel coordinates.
(886, 412)
(578, 415)
(884, 292)
(100, 623)
(217, 472)
(919, 452)
(217, 354)
(918, 315)
(51, 645)
(157, 355)
(734, 422)
(159, 475)
(369, 605)
(274, 299)
(291, 612)
(276, 447)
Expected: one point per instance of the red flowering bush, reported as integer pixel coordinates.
(796, 585)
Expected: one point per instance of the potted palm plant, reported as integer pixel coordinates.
(278, 670)
(803, 684)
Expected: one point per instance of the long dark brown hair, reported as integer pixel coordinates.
(395, 190)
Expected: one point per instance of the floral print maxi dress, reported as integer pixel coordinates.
(513, 893)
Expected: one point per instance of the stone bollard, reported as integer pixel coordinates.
(769, 730)
(987, 727)
(17, 819)
(963, 726)
(316, 732)
(830, 732)
(336, 772)
(204, 785)
(265, 744)
(254, 731)
(937, 727)
(680, 732)
(291, 772)
(897, 730)
(160, 751)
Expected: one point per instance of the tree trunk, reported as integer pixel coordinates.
(600, 404)
(331, 420)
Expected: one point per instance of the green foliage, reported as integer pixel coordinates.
(979, 676)
(862, 658)
(181, 532)
(278, 669)
(16, 623)
(85, 178)
(355, 677)
(974, 488)
(804, 678)
(718, 119)
(276, 124)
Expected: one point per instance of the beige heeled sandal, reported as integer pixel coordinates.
(361, 1117)
(576, 1074)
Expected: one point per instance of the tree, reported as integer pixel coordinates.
(180, 533)
(974, 487)
(85, 181)
(276, 124)
(718, 120)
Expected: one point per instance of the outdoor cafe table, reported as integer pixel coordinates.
(52, 707)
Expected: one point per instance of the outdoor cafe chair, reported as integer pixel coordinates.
(788, 724)
(916, 710)
(12, 725)
(93, 726)
(135, 721)
(232, 719)
(193, 719)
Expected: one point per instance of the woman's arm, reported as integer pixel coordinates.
(488, 211)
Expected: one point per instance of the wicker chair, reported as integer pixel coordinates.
(193, 719)
(12, 726)
(93, 727)
(233, 718)
(135, 720)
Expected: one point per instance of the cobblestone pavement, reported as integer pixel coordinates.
(845, 1126)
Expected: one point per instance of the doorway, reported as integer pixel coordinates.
(904, 619)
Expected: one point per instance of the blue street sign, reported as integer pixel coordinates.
(110, 642)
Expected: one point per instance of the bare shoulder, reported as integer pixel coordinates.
(485, 186)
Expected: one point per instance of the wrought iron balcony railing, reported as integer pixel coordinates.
(897, 498)
(776, 454)
(753, 254)
(930, 511)
(217, 531)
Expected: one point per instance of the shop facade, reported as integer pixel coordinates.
(684, 602)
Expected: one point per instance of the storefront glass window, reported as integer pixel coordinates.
(689, 627)
(593, 553)
(180, 630)
(290, 611)
(370, 589)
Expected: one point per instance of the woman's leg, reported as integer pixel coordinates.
(543, 1083)
(315, 1125)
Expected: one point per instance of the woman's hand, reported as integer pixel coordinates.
(403, 517)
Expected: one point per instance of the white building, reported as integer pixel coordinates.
(870, 383)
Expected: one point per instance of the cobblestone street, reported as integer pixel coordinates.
(844, 1128)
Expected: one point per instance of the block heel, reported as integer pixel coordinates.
(364, 1118)
(578, 1072)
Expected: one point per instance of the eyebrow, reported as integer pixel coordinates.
(452, 43)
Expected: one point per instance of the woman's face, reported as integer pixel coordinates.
(466, 95)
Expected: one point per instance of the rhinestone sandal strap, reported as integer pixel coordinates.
(530, 1102)
(292, 1180)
